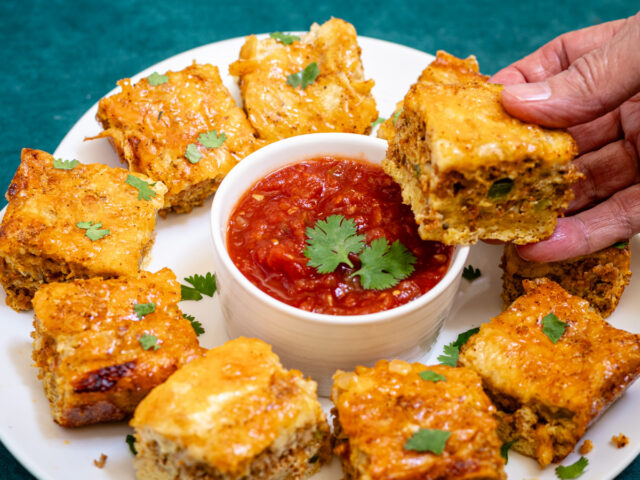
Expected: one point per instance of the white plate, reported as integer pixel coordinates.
(183, 244)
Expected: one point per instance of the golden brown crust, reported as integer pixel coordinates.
(600, 278)
(220, 412)
(40, 241)
(548, 394)
(87, 344)
(377, 409)
(339, 100)
(151, 127)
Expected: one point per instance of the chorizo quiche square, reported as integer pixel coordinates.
(552, 366)
(381, 413)
(69, 220)
(182, 128)
(102, 345)
(313, 84)
(470, 171)
(234, 414)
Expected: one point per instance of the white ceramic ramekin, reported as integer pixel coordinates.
(319, 344)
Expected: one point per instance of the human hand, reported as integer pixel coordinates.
(589, 82)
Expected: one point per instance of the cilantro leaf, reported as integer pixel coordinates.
(304, 77)
(383, 266)
(189, 293)
(572, 471)
(452, 351)
(377, 122)
(205, 284)
(61, 164)
(149, 341)
(156, 79)
(396, 115)
(431, 376)
(94, 230)
(285, 38)
(620, 245)
(500, 188)
(197, 326)
(470, 274)
(192, 153)
(159, 115)
(553, 327)
(426, 440)
(131, 440)
(143, 309)
(417, 170)
(330, 242)
(145, 192)
(212, 139)
(504, 450)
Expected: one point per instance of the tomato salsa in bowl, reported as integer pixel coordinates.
(284, 251)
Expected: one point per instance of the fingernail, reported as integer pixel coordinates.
(529, 92)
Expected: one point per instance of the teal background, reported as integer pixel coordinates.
(58, 58)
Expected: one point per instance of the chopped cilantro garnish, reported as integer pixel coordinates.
(470, 274)
(452, 351)
(285, 38)
(61, 164)
(305, 77)
(396, 115)
(159, 115)
(145, 192)
(197, 326)
(620, 245)
(573, 470)
(94, 230)
(377, 122)
(384, 265)
(143, 309)
(553, 327)
(427, 440)
(212, 139)
(330, 242)
(192, 153)
(431, 376)
(504, 450)
(500, 188)
(131, 440)
(156, 79)
(417, 170)
(201, 284)
(149, 341)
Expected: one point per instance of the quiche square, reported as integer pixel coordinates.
(233, 414)
(45, 234)
(156, 126)
(600, 278)
(378, 410)
(337, 100)
(97, 355)
(470, 171)
(548, 394)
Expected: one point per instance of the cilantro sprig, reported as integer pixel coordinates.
(377, 122)
(620, 245)
(192, 153)
(427, 440)
(156, 79)
(143, 309)
(331, 241)
(553, 327)
(197, 326)
(285, 38)
(200, 285)
(431, 376)
(145, 192)
(452, 351)
(304, 77)
(61, 164)
(131, 440)
(504, 450)
(149, 342)
(572, 471)
(212, 139)
(470, 274)
(94, 230)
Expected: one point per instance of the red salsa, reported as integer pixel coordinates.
(267, 236)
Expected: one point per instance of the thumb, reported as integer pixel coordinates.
(593, 85)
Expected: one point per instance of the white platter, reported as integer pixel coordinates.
(183, 244)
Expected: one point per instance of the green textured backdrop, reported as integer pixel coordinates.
(58, 58)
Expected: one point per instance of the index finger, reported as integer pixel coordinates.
(556, 56)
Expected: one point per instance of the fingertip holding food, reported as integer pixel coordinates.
(568, 240)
